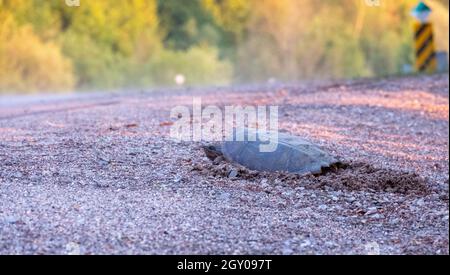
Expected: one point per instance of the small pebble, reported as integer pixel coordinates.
(233, 174)
(371, 211)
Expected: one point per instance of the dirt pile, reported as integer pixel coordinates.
(352, 176)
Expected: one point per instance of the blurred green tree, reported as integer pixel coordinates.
(27, 62)
(124, 43)
(187, 25)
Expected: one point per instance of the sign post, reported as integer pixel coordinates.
(424, 40)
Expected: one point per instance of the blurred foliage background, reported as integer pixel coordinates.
(113, 44)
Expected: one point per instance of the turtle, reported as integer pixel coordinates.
(293, 154)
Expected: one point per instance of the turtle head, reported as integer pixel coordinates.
(212, 151)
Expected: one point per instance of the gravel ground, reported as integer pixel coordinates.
(98, 174)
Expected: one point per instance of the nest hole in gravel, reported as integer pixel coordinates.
(353, 176)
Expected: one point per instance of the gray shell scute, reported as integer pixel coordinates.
(293, 154)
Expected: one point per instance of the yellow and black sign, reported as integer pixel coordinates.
(424, 46)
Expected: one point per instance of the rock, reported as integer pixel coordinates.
(323, 207)
(73, 248)
(420, 202)
(350, 199)
(371, 211)
(35, 178)
(377, 216)
(233, 174)
(306, 243)
(101, 184)
(46, 173)
(224, 196)
(133, 153)
(264, 183)
(218, 160)
(103, 161)
(287, 251)
(287, 248)
(11, 219)
(18, 175)
(390, 190)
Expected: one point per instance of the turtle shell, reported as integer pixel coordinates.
(292, 154)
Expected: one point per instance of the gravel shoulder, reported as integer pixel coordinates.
(100, 175)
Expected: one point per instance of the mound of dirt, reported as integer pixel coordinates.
(357, 176)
